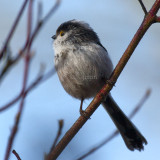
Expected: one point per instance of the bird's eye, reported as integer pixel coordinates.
(61, 33)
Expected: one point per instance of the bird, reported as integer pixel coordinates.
(84, 66)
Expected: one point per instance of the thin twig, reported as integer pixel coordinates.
(116, 132)
(39, 12)
(139, 106)
(147, 22)
(60, 124)
(19, 113)
(143, 7)
(13, 28)
(29, 42)
(60, 127)
(16, 154)
(6, 106)
(51, 11)
(40, 79)
(25, 78)
(29, 25)
(43, 21)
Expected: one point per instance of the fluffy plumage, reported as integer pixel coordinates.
(83, 66)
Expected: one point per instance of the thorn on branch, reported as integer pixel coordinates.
(143, 7)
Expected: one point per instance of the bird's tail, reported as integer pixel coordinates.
(130, 134)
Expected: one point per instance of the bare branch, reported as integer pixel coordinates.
(19, 113)
(139, 106)
(40, 79)
(39, 13)
(52, 10)
(43, 21)
(147, 22)
(16, 154)
(28, 42)
(6, 106)
(13, 28)
(25, 78)
(116, 132)
(98, 146)
(29, 25)
(143, 7)
(60, 124)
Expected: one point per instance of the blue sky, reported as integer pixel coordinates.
(115, 22)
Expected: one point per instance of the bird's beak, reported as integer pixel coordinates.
(54, 37)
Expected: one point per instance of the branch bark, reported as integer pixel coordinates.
(149, 19)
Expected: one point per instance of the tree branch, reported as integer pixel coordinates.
(60, 127)
(28, 42)
(143, 7)
(16, 154)
(26, 51)
(39, 12)
(116, 132)
(40, 79)
(19, 113)
(13, 29)
(25, 78)
(147, 22)
(60, 124)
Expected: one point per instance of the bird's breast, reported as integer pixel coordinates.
(82, 71)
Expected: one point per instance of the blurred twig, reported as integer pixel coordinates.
(60, 124)
(25, 53)
(40, 11)
(60, 127)
(19, 113)
(16, 154)
(149, 19)
(25, 78)
(41, 23)
(41, 78)
(13, 29)
(116, 132)
(28, 42)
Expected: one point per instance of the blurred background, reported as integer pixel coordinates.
(116, 23)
